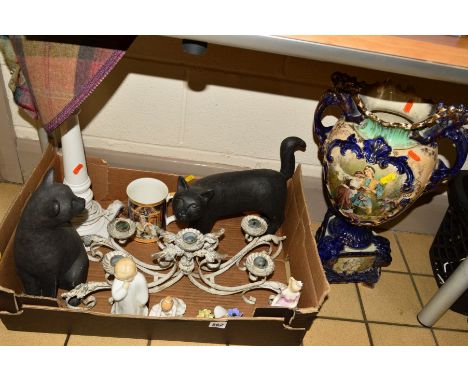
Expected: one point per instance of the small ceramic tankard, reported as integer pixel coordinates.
(147, 207)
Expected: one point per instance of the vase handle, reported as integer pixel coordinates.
(343, 101)
(459, 136)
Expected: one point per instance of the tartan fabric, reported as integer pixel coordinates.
(62, 71)
(17, 83)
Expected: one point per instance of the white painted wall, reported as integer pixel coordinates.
(228, 107)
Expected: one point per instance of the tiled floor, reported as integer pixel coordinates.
(352, 314)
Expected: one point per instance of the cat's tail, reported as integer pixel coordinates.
(288, 147)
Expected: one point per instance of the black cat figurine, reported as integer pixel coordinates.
(48, 251)
(233, 193)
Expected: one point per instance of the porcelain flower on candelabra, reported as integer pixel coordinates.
(168, 254)
(205, 313)
(234, 312)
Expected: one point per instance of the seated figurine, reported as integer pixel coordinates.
(289, 297)
(129, 289)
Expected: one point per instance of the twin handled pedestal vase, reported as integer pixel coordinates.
(378, 158)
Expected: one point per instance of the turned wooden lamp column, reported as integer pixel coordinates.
(94, 219)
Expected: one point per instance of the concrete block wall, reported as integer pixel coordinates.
(229, 107)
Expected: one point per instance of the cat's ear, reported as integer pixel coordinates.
(207, 195)
(182, 184)
(48, 177)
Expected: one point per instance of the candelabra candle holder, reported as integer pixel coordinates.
(121, 229)
(194, 255)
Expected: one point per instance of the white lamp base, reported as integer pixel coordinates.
(94, 219)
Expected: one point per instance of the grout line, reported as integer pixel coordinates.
(422, 274)
(369, 335)
(413, 281)
(67, 339)
(405, 273)
(390, 323)
(392, 271)
(341, 319)
(395, 236)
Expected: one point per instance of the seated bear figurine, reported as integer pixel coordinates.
(234, 193)
(48, 251)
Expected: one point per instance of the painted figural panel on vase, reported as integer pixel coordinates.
(368, 193)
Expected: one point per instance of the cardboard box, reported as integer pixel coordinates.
(262, 324)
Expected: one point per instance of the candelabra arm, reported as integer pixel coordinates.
(171, 282)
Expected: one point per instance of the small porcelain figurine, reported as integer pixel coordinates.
(129, 289)
(220, 312)
(289, 297)
(205, 313)
(169, 307)
(235, 312)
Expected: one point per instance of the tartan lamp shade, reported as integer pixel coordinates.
(57, 73)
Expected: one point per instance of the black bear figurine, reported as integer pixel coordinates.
(49, 253)
(233, 193)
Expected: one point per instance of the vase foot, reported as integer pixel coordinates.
(351, 253)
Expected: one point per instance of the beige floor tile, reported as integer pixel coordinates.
(17, 338)
(76, 340)
(398, 264)
(8, 193)
(315, 226)
(336, 333)
(391, 335)
(181, 343)
(343, 302)
(449, 338)
(392, 299)
(427, 287)
(416, 251)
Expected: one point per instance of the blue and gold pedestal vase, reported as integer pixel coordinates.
(351, 253)
(378, 158)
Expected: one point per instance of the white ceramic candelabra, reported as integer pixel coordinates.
(94, 220)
